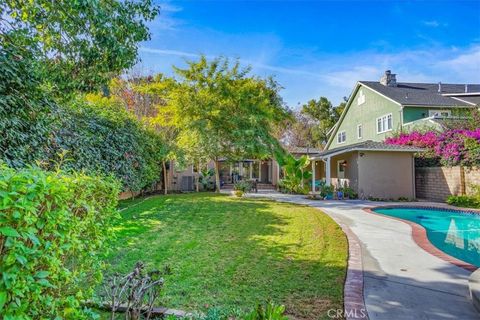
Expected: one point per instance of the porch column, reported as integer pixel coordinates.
(278, 171)
(328, 177)
(313, 176)
(240, 169)
(260, 171)
(251, 170)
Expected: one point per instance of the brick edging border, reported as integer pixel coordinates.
(353, 299)
(419, 235)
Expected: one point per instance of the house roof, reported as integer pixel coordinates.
(303, 150)
(368, 145)
(426, 94)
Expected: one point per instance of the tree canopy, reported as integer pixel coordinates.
(78, 45)
(223, 111)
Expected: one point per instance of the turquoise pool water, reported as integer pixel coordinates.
(455, 233)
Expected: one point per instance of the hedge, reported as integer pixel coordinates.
(99, 135)
(54, 230)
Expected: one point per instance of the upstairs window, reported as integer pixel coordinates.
(384, 123)
(359, 131)
(341, 137)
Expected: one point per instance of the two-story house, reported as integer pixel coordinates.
(355, 154)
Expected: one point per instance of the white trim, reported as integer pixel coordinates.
(461, 94)
(339, 134)
(464, 101)
(360, 136)
(331, 155)
(381, 118)
(380, 93)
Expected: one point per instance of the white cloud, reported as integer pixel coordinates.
(432, 23)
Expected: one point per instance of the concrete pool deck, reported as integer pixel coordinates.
(401, 280)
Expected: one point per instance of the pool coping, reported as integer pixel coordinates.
(419, 233)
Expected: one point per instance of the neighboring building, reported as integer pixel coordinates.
(355, 154)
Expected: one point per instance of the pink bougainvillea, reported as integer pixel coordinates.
(452, 146)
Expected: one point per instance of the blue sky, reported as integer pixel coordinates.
(321, 48)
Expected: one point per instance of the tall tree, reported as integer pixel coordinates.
(224, 112)
(79, 45)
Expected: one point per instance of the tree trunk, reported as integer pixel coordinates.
(164, 178)
(198, 178)
(217, 176)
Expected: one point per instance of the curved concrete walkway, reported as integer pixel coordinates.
(401, 280)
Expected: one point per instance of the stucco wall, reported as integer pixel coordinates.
(386, 175)
(351, 169)
(437, 183)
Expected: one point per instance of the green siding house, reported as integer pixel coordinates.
(376, 109)
(356, 156)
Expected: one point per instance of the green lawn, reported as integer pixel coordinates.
(233, 253)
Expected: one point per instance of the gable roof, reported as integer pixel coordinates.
(368, 145)
(416, 94)
(425, 94)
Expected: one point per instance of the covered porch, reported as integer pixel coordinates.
(371, 169)
(263, 171)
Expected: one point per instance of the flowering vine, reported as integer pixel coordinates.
(452, 146)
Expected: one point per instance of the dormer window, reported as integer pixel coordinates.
(361, 98)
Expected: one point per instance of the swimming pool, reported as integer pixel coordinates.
(456, 233)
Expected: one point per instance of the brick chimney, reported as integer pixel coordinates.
(389, 79)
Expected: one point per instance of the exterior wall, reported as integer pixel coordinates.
(386, 175)
(437, 183)
(416, 113)
(351, 169)
(366, 114)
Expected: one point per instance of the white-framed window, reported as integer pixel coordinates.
(361, 97)
(359, 131)
(341, 137)
(439, 113)
(384, 123)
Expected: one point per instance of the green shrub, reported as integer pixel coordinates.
(101, 136)
(53, 232)
(243, 186)
(464, 201)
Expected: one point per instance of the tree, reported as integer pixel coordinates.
(325, 115)
(223, 112)
(144, 97)
(78, 45)
(309, 126)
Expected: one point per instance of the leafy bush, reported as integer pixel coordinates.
(25, 111)
(101, 136)
(464, 201)
(296, 173)
(243, 186)
(53, 231)
(348, 192)
(467, 201)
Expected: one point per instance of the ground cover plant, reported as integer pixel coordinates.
(234, 253)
